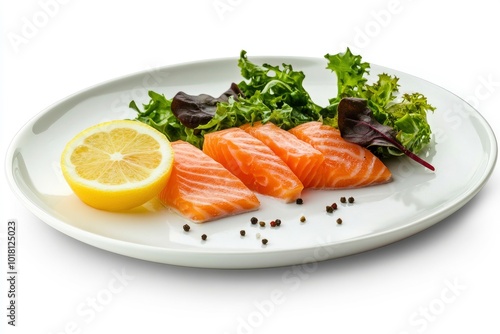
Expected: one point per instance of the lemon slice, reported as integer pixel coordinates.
(117, 165)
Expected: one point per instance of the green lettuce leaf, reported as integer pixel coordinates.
(278, 88)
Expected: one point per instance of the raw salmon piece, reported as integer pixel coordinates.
(201, 189)
(346, 165)
(301, 157)
(253, 163)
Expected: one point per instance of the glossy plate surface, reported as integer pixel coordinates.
(463, 150)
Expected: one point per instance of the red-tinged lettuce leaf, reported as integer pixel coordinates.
(357, 125)
(195, 110)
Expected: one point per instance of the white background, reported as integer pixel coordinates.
(443, 280)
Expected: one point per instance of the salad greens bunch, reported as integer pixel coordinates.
(276, 94)
(407, 115)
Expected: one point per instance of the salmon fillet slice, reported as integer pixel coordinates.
(201, 189)
(346, 165)
(253, 163)
(301, 157)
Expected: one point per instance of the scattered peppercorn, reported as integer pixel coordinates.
(342, 200)
(254, 220)
(203, 237)
(264, 241)
(273, 223)
(334, 206)
(329, 209)
(242, 233)
(350, 200)
(339, 221)
(262, 223)
(186, 227)
(299, 201)
(278, 222)
(302, 219)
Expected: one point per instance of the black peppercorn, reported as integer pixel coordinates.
(186, 227)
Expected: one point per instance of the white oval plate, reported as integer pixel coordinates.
(463, 150)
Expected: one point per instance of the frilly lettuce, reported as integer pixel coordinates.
(276, 94)
(406, 115)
